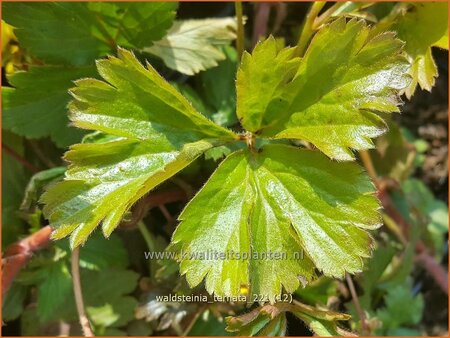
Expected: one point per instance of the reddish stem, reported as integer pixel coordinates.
(19, 253)
(20, 159)
(423, 257)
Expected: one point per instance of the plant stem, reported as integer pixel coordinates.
(394, 227)
(39, 153)
(368, 164)
(84, 321)
(327, 14)
(359, 309)
(308, 27)
(19, 253)
(20, 159)
(240, 29)
(148, 238)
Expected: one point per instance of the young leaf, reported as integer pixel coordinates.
(270, 320)
(266, 321)
(424, 26)
(283, 200)
(328, 100)
(78, 33)
(36, 107)
(159, 134)
(193, 45)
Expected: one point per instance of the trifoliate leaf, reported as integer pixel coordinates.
(78, 33)
(424, 26)
(37, 106)
(328, 100)
(283, 201)
(160, 133)
(191, 46)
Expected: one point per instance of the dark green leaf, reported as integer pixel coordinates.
(54, 291)
(16, 177)
(37, 106)
(77, 33)
(13, 302)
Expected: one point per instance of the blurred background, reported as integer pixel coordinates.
(403, 290)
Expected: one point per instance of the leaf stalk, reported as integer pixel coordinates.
(84, 321)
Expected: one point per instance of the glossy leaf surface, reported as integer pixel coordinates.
(282, 200)
(329, 98)
(424, 26)
(157, 132)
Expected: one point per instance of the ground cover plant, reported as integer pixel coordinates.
(224, 168)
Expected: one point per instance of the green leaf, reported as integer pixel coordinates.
(270, 320)
(37, 106)
(78, 33)
(54, 291)
(282, 200)
(320, 327)
(191, 46)
(106, 297)
(431, 210)
(402, 308)
(423, 26)
(261, 83)
(328, 97)
(392, 156)
(266, 321)
(16, 179)
(318, 292)
(221, 95)
(100, 253)
(12, 306)
(37, 183)
(376, 266)
(159, 133)
(323, 323)
(115, 313)
(208, 324)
